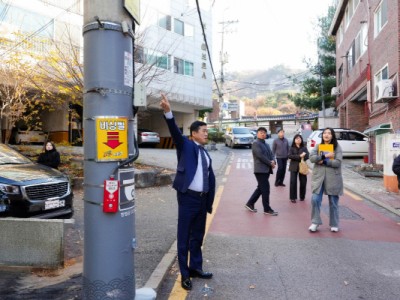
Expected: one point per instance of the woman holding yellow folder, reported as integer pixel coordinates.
(326, 179)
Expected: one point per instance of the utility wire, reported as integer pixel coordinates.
(208, 49)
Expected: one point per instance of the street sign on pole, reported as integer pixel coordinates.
(233, 107)
(133, 8)
(111, 138)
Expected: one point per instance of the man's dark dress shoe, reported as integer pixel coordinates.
(200, 274)
(186, 283)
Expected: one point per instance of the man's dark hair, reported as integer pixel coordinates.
(196, 126)
(262, 129)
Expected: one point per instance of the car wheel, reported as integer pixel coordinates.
(226, 143)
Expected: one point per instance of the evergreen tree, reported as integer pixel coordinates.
(323, 73)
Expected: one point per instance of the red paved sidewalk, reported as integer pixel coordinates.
(358, 221)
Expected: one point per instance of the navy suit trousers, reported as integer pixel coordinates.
(192, 216)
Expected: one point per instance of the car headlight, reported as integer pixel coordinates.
(9, 189)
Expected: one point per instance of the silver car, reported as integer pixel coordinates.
(238, 136)
(148, 137)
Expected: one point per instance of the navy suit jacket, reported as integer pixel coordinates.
(188, 153)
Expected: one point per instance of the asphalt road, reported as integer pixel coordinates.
(254, 256)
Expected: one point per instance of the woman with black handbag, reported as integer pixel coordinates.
(297, 153)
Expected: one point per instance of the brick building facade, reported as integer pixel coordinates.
(367, 67)
(366, 53)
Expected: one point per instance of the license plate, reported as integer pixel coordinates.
(51, 204)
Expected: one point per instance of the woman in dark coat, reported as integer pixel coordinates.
(50, 157)
(296, 152)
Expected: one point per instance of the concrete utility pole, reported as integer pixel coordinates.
(223, 60)
(109, 218)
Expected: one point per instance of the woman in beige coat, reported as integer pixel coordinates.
(326, 179)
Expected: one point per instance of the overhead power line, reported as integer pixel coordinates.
(208, 49)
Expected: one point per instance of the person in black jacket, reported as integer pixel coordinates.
(396, 169)
(50, 156)
(296, 152)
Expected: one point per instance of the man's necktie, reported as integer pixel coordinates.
(205, 169)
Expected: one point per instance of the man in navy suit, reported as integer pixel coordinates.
(195, 186)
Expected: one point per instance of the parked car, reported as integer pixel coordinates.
(28, 189)
(148, 137)
(352, 142)
(238, 136)
(30, 137)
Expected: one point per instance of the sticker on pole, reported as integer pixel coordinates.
(111, 138)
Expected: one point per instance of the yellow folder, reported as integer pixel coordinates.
(325, 148)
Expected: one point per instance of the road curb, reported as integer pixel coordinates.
(377, 202)
(161, 270)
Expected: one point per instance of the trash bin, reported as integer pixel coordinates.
(366, 159)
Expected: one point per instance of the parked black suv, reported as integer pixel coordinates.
(28, 189)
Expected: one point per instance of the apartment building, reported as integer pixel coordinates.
(170, 39)
(367, 64)
(39, 27)
(170, 56)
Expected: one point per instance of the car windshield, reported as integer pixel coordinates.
(10, 156)
(241, 131)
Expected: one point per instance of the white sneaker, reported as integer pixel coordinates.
(334, 229)
(313, 227)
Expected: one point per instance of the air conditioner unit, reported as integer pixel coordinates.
(384, 90)
(335, 91)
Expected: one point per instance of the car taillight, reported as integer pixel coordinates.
(144, 134)
(313, 143)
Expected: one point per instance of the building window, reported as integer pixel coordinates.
(350, 9)
(178, 66)
(27, 21)
(188, 68)
(364, 38)
(340, 75)
(183, 67)
(158, 59)
(380, 17)
(139, 55)
(179, 27)
(382, 74)
(164, 21)
(351, 61)
(152, 58)
(340, 34)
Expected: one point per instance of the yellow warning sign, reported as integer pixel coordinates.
(112, 138)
